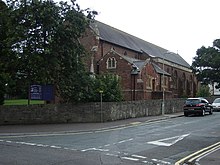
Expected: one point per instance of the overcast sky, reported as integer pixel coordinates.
(181, 26)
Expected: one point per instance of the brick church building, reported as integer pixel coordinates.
(145, 69)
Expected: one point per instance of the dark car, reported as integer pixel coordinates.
(197, 106)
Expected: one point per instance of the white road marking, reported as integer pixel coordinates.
(125, 141)
(167, 144)
(138, 156)
(109, 154)
(57, 147)
(42, 145)
(30, 144)
(88, 149)
(129, 158)
(161, 161)
(147, 162)
(95, 149)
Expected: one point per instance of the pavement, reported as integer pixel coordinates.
(212, 158)
(79, 127)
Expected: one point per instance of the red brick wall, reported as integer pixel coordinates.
(184, 85)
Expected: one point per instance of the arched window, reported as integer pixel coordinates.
(175, 79)
(111, 63)
(184, 81)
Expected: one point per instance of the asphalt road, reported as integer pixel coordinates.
(162, 142)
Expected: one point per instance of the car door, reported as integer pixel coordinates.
(206, 104)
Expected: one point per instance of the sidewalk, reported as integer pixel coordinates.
(79, 127)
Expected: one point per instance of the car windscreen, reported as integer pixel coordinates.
(192, 101)
(216, 101)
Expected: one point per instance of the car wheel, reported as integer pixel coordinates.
(203, 113)
(211, 111)
(186, 114)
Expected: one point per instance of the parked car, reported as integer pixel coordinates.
(197, 106)
(216, 104)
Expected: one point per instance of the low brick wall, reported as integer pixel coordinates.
(88, 112)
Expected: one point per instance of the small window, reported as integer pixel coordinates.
(111, 63)
(149, 82)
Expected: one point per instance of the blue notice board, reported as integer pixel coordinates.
(42, 92)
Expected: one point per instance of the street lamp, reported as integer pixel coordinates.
(101, 92)
(163, 84)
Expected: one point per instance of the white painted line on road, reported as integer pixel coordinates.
(126, 140)
(56, 147)
(39, 145)
(139, 156)
(162, 143)
(88, 149)
(103, 150)
(20, 142)
(129, 158)
(95, 149)
(30, 144)
(147, 162)
(108, 154)
(42, 145)
(160, 161)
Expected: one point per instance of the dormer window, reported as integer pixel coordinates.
(111, 63)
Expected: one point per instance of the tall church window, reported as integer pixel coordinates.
(111, 63)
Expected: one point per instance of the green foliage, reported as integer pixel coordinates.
(108, 85)
(40, 44)
(204, 91)
(206, 64)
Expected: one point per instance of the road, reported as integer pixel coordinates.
(163, 142)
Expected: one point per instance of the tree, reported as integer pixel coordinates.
(206, 64)
(204, 91)
(4, 56)
(43, 40)
(109, 85)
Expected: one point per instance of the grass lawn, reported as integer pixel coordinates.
(22, 102)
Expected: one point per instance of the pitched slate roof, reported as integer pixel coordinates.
(118, 37)
(141, 63)
(159, 70)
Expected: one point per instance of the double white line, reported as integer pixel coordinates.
(199, 154)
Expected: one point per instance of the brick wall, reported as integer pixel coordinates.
(89, 112)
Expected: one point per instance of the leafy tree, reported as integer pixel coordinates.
(3, 57)
(108, 85)
(43, 40)
(206, 64)
(204, 91)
